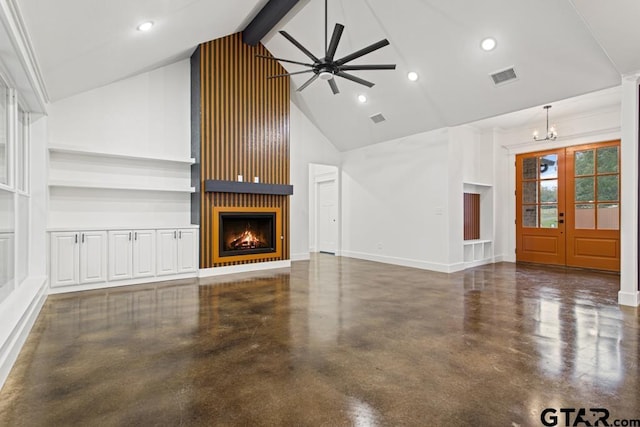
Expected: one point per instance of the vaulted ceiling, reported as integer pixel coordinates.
(558, 48)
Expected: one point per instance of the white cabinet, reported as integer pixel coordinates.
(144, 253)
(78, 257)
(177, 251)
(131, 254)
(187, 250)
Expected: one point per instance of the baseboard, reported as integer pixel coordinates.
(119, 283)
(301, 257)
(19, 312)
(405, 262)
(243, 268)
(631, 299)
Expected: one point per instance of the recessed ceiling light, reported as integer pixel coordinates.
(413, 76)
(488, 44)
(145, 26)
(362, 99)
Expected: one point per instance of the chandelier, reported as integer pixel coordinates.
(551, 135)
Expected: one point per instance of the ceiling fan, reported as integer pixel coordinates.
(327, 68)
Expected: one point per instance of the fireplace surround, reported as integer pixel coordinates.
(246, 234)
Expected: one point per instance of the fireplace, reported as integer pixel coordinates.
(246, 234)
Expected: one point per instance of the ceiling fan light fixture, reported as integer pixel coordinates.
(325, 75)
(412, 76)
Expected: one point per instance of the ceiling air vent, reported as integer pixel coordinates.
(504, 76)
(377, 118)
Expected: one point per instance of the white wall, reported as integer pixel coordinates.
(147, 115)
(307, 145)
(395, 201)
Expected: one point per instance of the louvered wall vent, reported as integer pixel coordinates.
(504, 76)
(377, 118)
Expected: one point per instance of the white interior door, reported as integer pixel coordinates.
(327, 216)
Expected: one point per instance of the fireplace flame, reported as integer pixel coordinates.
(246, 240)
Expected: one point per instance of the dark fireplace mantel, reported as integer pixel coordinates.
(218, 186)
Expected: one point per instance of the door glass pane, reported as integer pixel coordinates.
(530, 192)
(585, 216)
(608, 188)
(530, 216)
(584, 162)
(608, 160)
(549, 191)
(608, 216)
(584, 189)
(549, 166)
(530, 168)
(549, 216)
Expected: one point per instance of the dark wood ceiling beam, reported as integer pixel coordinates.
(266, 19)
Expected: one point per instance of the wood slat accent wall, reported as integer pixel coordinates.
(471, 216)
(244, 131)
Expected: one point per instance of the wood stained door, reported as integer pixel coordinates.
(540, 197)
(593, 206)
(568, 206)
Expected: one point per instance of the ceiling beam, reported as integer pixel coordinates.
(266, 19)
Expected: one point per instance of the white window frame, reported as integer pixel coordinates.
(9, 152)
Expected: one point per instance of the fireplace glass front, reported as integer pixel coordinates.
(244, 233)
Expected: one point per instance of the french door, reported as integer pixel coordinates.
(568, 206)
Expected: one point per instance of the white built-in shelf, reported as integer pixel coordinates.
(477, 251)
(102, 154)
(479, 184)
(122, 227)
(68, 184)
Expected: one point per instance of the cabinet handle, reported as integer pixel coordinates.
(82, 237)
(180, 234)
(76, 238)
(129, 235)
(135, 235)
(175, 234)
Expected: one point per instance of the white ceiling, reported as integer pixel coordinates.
(559, 48)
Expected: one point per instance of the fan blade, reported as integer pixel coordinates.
(334, 86)
(354, 79)
(284, 60)
(289, 74)
(307, 83)
(299, 46)
(367, 67)
(335, 39)
(362, 52)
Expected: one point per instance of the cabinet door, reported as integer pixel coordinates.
(167, 252)
(93, 256)
(65, 253)
(120, 254)
(187, 250)
(144, 253)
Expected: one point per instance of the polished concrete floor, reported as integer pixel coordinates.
(333, 342)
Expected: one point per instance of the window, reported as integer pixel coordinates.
(22, 150)
(4, 134)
